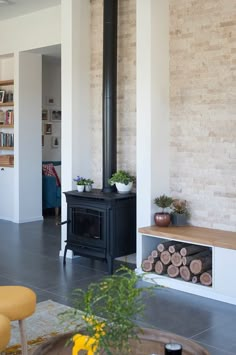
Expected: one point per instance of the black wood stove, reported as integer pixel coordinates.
(102, 223)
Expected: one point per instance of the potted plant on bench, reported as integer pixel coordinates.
(162, 219)
(180, 212)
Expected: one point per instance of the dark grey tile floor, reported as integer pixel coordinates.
(29, 255)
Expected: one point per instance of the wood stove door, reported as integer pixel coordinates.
(87, 226)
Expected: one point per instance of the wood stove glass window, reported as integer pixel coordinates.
(87, 223)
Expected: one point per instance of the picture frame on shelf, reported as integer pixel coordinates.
(56, 115)
(50, 100)
(47, 128)
(55, 142)
(45, 115)
(2, 96)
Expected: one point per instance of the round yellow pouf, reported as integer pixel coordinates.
(5, 331)
(17, 302)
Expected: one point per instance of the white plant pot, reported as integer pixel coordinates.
(88, 188)
(80, 188)
(124, 189)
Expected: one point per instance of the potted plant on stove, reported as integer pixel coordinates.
(88, 183)
(162, 219)
(80, 182)
(122, 180)
(180, 213)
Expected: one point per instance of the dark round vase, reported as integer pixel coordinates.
(162, 219)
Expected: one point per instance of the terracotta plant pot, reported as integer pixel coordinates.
(152, 341)
(162, 219)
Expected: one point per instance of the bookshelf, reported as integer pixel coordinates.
(6, 123)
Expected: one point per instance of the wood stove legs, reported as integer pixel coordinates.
(109, 260)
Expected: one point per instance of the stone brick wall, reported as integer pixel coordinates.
(203, 109)
(126, 87)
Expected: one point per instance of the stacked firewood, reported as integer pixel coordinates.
(190, 262)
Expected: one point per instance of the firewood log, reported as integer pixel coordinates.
(164, 245)
(176, 247)
(185, 273)
(206, 278)
(195, 279)
(172, 270)
(152, 259)
(147, 265)
(191, 249)
(165, 257)
(160, 268)
(187, 259)
(176, 259)
(154, 253)
(201, 264)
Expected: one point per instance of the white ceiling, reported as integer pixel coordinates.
(22, 7)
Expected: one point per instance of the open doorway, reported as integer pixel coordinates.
(51, 135)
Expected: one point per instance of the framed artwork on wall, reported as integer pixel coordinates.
(47, 128)
(55, 142)
(45, 115)
(56, 115)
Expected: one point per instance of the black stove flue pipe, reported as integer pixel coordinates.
(110, 16)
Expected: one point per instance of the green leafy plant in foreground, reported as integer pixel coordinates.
(110, 307)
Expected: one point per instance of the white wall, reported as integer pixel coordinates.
(152, 106)
(76, 156)
(28, 154)
(32, 31)
(38, 29)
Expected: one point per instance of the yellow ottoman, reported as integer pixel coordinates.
(5, 331)
(18, 303)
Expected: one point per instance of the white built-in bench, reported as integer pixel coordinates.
(223, 245)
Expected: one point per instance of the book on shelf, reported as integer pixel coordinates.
(6, 139)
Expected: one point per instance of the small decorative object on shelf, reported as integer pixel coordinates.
(162, 219)
(123, 181)
(173, 349)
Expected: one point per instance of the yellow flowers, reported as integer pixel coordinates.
(84, 342)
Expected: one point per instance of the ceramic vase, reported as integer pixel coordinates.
(80, 188)
(122, 188)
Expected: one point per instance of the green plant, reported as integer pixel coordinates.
(88, 182)
(122, 177)
(109, 307)
(79, 180)
(179, 206)
(163, 201)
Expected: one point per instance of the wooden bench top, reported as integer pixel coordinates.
(200, 235)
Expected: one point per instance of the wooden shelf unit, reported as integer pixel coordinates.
(4, 83)
(6, 126)
(223, 246)
(6, 148)
(7, 104)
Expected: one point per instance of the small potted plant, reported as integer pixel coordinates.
(180, 212)
(80, 182)
(162, 219)
(123, 181)
(88, 184)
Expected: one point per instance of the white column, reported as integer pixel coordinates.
(152, 56)
(27, 129)
(76, 131)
